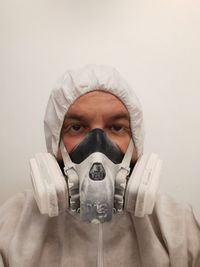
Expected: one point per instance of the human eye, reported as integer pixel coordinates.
(120, 129)
(74, 128)
(117, 128)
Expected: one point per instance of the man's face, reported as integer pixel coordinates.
(101, 110)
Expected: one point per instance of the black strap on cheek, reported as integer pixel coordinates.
(96, 141)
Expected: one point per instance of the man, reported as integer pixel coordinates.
(93, 127)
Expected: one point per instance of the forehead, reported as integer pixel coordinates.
(98, 101)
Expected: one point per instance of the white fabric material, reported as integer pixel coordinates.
(75, 83)
(170, 237)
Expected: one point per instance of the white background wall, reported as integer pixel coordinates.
(154, 44)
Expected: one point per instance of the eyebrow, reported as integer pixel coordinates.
(74, 116)
(79, 117)
(120, 116)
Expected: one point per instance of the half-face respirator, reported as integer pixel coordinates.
(96, 172)
(97, 180)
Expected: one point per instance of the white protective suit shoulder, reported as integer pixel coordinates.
(170, 237)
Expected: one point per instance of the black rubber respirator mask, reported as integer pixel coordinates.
(96, 173)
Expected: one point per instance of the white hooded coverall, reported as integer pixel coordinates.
(169, 237)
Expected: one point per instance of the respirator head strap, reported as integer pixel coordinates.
(125, 164)
(65, 156)
(121, 178)
(72, 178)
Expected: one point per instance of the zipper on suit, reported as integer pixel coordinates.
(100, 247)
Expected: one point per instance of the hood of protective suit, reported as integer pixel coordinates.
(75, 83)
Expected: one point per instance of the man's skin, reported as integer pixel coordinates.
(101, 110)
